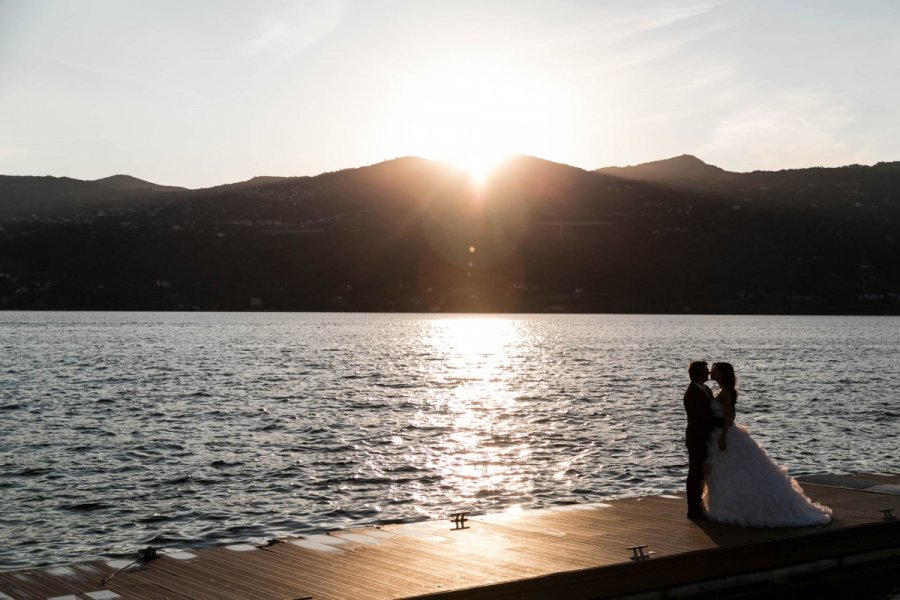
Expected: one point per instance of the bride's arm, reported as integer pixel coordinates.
(724, 399)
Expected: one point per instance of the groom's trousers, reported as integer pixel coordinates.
(696, 457)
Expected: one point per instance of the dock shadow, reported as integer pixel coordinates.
(725, 535)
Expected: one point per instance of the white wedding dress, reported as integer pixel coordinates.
(746, 487)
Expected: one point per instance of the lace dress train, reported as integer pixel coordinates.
(746, 487)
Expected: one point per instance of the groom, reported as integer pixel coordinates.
(699, 425)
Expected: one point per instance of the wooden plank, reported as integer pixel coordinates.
(54, 581)
(33, 584)
(784, 547)
(169, 584)
(146, 591)
(481, 558)
(206, 575)
(412, 561)
(654, 574)
(315, 573)
(306, 573)
(572, 553)
(346, 574)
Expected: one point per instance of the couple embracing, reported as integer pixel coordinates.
(731, 479)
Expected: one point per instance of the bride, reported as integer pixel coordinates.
(743, 485)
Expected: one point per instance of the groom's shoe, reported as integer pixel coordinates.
(697, 515)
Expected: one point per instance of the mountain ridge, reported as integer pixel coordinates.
(417, 235)
(23, 196)
(128, 183)
(685, 165)
(682, 166)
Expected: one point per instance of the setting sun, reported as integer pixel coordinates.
(474, 114)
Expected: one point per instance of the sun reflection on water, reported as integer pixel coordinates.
(481, 460)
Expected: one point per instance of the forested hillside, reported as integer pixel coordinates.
(414, 235)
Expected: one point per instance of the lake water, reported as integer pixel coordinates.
(122, 430)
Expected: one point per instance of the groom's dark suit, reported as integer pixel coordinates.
(699, 426)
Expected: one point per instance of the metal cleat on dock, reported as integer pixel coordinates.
(272, 542)
(887, 514)
(459, 520)
(143, 557)
(637, 552)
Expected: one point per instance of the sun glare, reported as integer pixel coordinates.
(478, 342)
(474, 115)
(478, 164)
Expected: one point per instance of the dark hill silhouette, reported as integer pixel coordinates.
(129, 183)
(25, 196)
(680, 168)
(689, 173)
(411, 234)
(255, 182)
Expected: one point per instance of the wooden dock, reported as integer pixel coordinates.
(573, 552)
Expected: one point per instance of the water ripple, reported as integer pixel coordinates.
(176, 429)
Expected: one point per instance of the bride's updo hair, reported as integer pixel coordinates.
(729, 381)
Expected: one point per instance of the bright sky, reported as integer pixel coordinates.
(203, 92)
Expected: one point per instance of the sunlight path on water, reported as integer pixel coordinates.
(485, 452)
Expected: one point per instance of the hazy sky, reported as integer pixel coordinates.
(198, 93)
